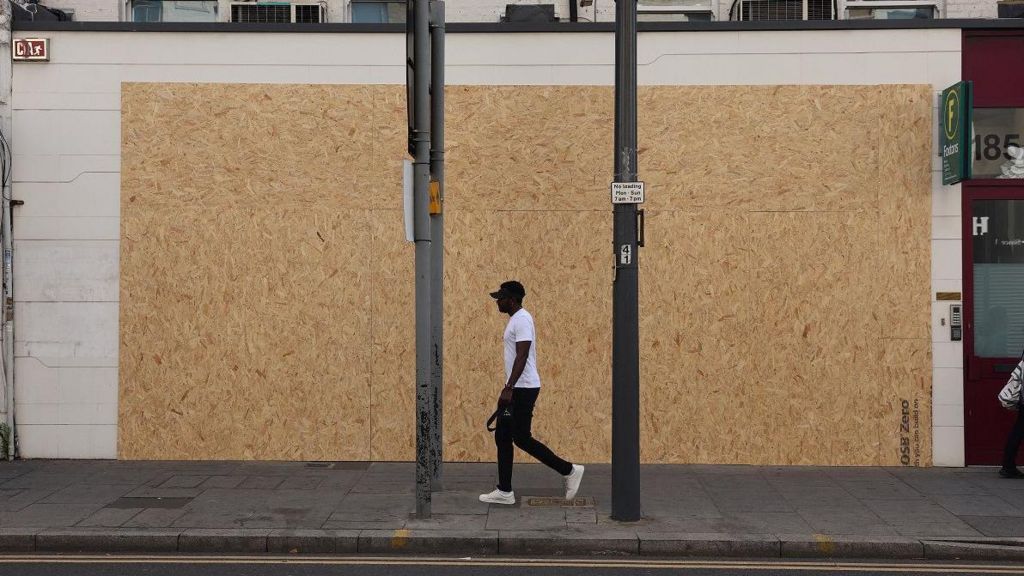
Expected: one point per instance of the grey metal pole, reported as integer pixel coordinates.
(437, 32)
(421, 232)
(625, 309)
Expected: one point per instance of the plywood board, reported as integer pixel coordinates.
(267, 290)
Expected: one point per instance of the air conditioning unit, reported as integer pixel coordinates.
(278, 12)
(751, 10)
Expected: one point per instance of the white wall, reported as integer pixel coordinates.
(67, 161)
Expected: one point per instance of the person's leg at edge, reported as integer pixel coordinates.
(1012, 446)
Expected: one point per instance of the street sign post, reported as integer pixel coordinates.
(625, 287)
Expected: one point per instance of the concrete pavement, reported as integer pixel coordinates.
(358, 507)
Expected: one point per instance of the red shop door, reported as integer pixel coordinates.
(993, 255)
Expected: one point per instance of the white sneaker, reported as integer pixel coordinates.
(572, 481)
(499, 497)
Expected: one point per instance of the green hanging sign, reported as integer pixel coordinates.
(955, 134)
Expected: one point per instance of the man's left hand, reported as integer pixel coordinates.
(506, 397)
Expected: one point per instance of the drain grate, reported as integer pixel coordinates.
(319, 464)
(556, 502)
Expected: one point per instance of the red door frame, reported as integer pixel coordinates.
(991, 60)
(985, 422)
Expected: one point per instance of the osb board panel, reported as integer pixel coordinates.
(760, 260)
(904, 211)
(244, 315)
(529, 147)
(393, 345)
(760, 147)
(220, 146)
(758, 350)
(259, 350)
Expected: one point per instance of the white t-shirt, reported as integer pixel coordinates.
(520, 329)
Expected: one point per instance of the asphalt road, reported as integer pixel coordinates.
(181, 565)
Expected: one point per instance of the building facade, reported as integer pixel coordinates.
(209, 260)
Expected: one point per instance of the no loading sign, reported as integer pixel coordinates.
(627, 192)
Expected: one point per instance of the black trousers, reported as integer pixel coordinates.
(1013, 442)
(517, 433)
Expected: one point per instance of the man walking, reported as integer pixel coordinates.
(522, 386)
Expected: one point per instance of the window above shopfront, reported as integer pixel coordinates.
(378, 11)
(896, 10)
(173, 10)
(674, 11)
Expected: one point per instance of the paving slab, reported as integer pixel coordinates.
(47, 515)
(301, 483)
(952, 528)
(501, 517)
(458, 502)
(154, 492)
(977, 505)
(21, 498)
(87, 494)
(155, 518)
(223, 482)
(437, 521)
(110, 517)
(183, 481)
(996, 525)
(262, 482)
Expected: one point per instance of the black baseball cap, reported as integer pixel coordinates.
(510, 289)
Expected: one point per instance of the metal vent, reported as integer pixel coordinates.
(276, 13)
(261, 13)
(750, 10)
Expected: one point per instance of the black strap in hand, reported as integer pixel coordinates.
(502, 412)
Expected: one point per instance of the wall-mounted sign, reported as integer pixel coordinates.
(955, 132)
(33, 49)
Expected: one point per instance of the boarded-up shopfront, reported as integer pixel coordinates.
(266, 289)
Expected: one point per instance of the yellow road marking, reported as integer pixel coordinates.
(825, 544)
(399, 539)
